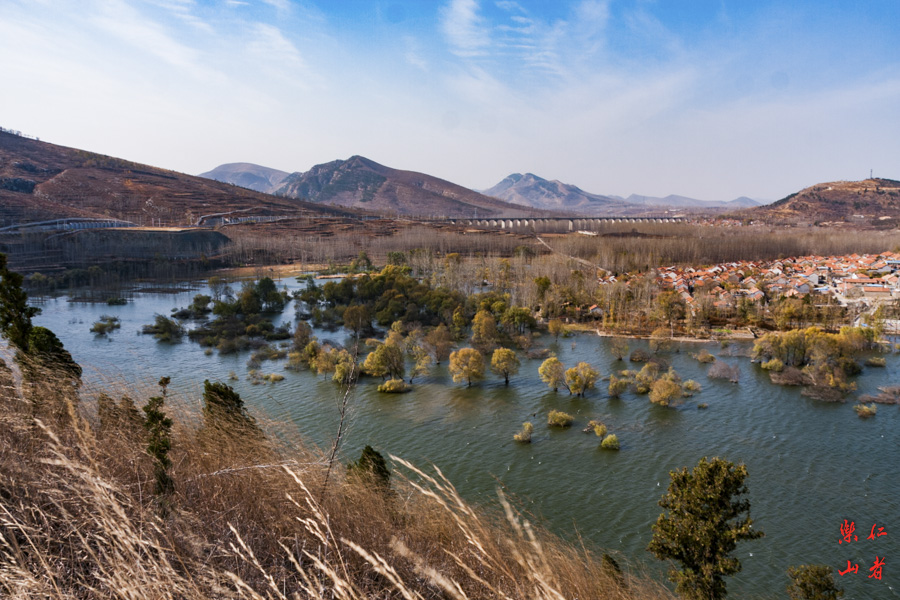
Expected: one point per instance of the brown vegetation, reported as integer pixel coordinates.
(859, 201)
(249, 518)
(74, 183)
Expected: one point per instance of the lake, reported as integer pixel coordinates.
(811, 464)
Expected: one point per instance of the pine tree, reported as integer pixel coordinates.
(159, 440)
(705, 521)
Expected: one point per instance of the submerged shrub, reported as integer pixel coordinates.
(876, 361)
(865, 410)
(598, 427)
(524, 435)
(639, 356)
(721, 370)
(690, 387)
(164, 329)
(790, 376)
(557, 418)
(617, 386)
(665, 392)
(610, 442)
(704, 356)
(107, 324)
(644, 380)
(394, 386)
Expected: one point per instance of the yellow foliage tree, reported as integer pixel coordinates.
(505, 362)
(581, 378)
(467, 364)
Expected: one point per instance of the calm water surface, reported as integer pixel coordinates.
(811, 464)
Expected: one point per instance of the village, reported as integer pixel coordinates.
(860, 281)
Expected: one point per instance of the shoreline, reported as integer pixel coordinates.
(738, 335)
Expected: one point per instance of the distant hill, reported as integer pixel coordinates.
(248, 175)
(531, 190)
(675, 201)
(40, 181)
(866, 200)
(362, 183)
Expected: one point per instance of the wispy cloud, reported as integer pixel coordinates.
(413, 53)
(464, 28)
(121, 20)
(272, 52)
(183, 10)
(281, 5)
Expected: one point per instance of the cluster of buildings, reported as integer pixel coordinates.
(855, 278)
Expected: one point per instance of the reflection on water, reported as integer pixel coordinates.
(811, 464)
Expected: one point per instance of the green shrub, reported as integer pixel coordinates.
(813, 582)
(370, 468)
(557, 418)
(876, 361)
(524, 435)
(394, 386)
(164, 329)
(610, 442)
(106, 324)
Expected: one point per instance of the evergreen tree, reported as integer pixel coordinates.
(813, 582)
(705, 521)
(159, 440)
(371, 466)
(15, 314)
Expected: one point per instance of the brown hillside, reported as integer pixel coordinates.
(361, 183)
(870, 200)
(41, 181)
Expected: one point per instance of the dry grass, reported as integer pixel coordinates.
(249, 518)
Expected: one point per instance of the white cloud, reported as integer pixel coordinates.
(464, 28)
(280, 5)
(277, 56)
(120, 20)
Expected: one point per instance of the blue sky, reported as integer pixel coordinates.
(705, 98)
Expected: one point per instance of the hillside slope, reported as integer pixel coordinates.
(40, 181)
(866, 200)
(362, 183)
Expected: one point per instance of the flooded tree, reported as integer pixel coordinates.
(467, 364)
(504, 362)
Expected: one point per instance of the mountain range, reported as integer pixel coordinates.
(41, 181)
(362, 183)
(359, 182)
(531, 190)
